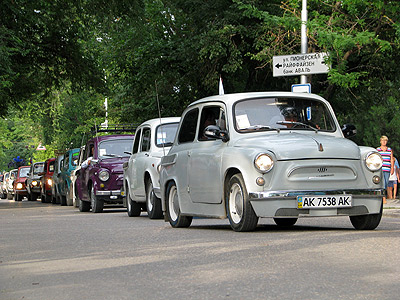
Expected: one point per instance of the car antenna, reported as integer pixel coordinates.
(159, 113)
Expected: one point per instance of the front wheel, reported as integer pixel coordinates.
(153, 203)
(239, 210)
(97, 204)
(173, 211)
(367, 222)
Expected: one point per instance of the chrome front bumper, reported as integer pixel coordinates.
(109, 193)
(294, 194)
(284, 203)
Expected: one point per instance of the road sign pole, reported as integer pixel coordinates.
(304, 48)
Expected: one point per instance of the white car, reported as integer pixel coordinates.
(153, 140)
(270, 154)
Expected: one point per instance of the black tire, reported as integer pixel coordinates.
(174, 215)
(35, 196)
(367, 222)
(153, 204)
(97, 204)
(285, 222)
(53, 199)
(63, 200)
(58, 199)
(84, 206)
(10, 196)
(77, 200)
(29, 197)
(19, 197)
(238, 207)
(132, 208)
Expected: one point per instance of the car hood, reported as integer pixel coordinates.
(113, 164)
(288, 146)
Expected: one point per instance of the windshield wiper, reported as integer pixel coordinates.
(296, 124)
(261, 127)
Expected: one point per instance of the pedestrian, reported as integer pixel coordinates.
(387, 157)
(393, 179)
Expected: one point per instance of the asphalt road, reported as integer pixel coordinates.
(53, 252)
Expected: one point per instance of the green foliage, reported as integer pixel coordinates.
(59, 60)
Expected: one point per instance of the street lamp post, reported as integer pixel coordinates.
(304, 47)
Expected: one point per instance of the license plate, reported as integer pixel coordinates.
(324, 201)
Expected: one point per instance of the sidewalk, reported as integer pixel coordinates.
(392, 208)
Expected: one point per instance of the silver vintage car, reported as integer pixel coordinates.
(153, 139)
(268, 154)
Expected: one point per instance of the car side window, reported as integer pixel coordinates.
(211, 115)
(136, 142)
(146, 138)
(187, 132)
(66, 161)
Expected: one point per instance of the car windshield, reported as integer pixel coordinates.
(282, 114)
(23, 172)
(115, 148)
(75, 157)
(165, 134)
(38, 168)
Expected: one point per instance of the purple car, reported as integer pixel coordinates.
(100, 178)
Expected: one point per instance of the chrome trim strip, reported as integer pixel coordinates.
(294, 194)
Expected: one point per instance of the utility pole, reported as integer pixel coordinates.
(304, 41)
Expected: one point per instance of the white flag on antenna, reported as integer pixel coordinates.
(221, 87)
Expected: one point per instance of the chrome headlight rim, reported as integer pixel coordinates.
(104, 175)
(264, 162)
(373, 161)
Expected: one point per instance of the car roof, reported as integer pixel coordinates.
(111, 137)
(232, 98)
(158, 121)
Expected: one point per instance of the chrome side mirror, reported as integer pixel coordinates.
(215, 132)
(349, 130)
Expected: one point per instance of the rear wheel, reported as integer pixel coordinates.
(97, 204)
(133, 208)
(367, 222)
(63, 200)
(153, 203)
(173, 211)
(84, 206)
(239, 210)
(76, 199)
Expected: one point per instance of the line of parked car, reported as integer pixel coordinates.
(242, 156)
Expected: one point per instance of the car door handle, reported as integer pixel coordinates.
(189, 153)
(146, 154)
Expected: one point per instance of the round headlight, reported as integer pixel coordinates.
(374, 161)
(49, 181)
(34, 183)
(264, 162)
(104, 175)
(19, 186)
